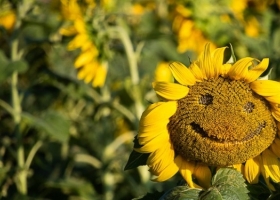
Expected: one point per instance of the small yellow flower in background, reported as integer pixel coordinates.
(252, 27)
(90, 67)
(137, 9)
(162, 72)
(8, 19)
(216, 114)
(189, 36)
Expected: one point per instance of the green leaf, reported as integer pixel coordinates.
(227, 184)
(258, 191)
(20, 66)
(228, 176)
(3, 59)
(70, 185)
(182, 193)
(136, 159)
(150, 196)
(7, 69)
(52, 123)
(233, 58)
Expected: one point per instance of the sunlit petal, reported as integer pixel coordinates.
(239, 69)
(196, 71)
(186, 169)
(225, 69)
(239, 167)
(218, 59)
(182, 74)
(150, 136)
(167, 173)
(271, 165)
(154, 144)
(252, 170)
(256, 71)
(266, 87)
(273, 99)
(203, 174)
(154, 112)
(170, 91)
(275, 147)
(206, 63)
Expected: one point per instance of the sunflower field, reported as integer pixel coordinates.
(139, 99)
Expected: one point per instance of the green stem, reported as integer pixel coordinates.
(32, 153)
(21, 176)
(133, 68)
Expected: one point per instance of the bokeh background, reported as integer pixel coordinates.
(75, 76)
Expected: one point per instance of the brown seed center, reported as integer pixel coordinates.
(221, 122)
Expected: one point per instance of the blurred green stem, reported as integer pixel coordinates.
(21, 176)
(132, 62)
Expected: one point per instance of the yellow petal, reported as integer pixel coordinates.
(275, 147)
(273, 99)
(100, 76)
(151, 135)
(266, 87)
(80, 25)
(170, 91)
(225, 69)
(203, 175)
(255, 73)
(271, 165)
(186, 169)
(252, 170)
(239, 69)
(206, 64)
(77, 41)
(83, 72)
(156, 128)
(266, 177)
(84, 58)
(239, 167)
(276, 114)
(69, 31)
(157, 112)
(218, 59)
(89, 77)
(164, 154)
(91, 71)
(160, 159)
(196, 71)
(89, 45)
(154, 144)
(182, 74)
(167, 173)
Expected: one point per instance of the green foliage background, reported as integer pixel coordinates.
(64, 139)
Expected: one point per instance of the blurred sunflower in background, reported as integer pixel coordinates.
(190, 38)
(217, 115)
(92, 68)
(7, 19)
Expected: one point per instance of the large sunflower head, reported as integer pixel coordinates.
(215, 114)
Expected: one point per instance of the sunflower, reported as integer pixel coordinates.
(90, 67)
(189, 36)
(214, 115)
